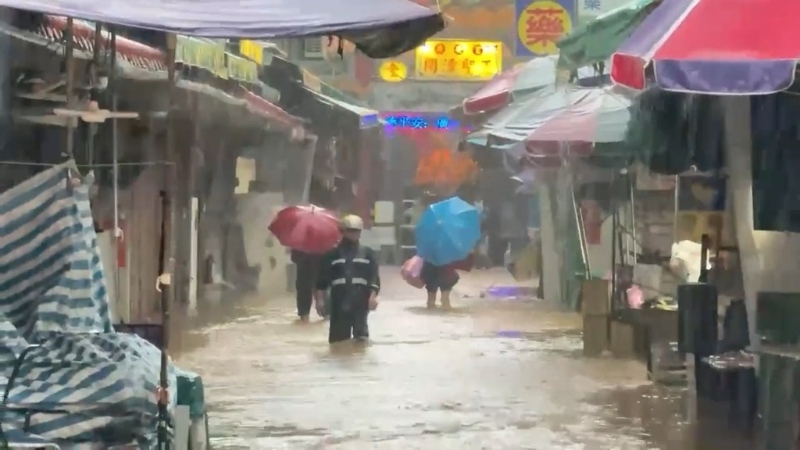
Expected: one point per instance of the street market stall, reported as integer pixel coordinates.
(378, 29)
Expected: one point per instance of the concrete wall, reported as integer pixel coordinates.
(254, 212)
(420, 95)
(551, 254)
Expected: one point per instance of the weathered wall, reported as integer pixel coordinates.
(140, 220)
(434, 96)
(254, 211)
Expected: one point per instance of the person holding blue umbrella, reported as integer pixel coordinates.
(447, 232)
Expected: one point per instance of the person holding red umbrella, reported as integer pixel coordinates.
(305, 279)
(309, 231)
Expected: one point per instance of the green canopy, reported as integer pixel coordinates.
(594, 42)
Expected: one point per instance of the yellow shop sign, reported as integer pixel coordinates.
(458, 60)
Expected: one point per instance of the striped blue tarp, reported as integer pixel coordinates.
(66, 373)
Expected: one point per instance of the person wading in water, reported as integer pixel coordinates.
(304, 283)
(351, 272)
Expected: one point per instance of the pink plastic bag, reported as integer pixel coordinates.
(411, 270)
(635, 297)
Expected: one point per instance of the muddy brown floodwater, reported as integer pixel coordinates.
(492, 374)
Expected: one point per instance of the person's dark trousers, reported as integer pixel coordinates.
(496, 250)
(304, 288)
(348, 320)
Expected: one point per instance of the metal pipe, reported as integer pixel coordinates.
(633, 219)
(122, 164)
(94, 76)
(615, 306)
(69, 67)
(167, 259)
(112, 86)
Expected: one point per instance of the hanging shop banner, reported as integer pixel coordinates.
(241, 69)
(459, 60)
(203, 54)
(252, 50)
(541, 23)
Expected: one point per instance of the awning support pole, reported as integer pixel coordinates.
(167, 260)
(69, 65)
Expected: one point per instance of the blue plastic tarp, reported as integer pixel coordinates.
(379, 28)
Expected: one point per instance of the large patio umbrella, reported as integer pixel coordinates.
(520, 81)
(735, 47)
(564, 122)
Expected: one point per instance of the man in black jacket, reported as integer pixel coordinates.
(351, 272)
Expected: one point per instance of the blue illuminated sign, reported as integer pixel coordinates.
(420, 122)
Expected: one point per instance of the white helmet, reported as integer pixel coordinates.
(352, 222)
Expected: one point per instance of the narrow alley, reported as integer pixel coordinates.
(496, 373)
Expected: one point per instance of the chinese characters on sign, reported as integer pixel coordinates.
(592, 5)
(420, 122)
(541, 23)
(392, 71)
(459, 60)
(589, 9)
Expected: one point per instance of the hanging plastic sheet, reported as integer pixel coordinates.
(775, 138)
(378, 28)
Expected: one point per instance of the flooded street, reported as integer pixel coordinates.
(492, 374)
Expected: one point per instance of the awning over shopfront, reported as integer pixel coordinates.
(379, 28)
(152, 61)
(281, 69)
(131, 52)
(270, 111)
(367, 118)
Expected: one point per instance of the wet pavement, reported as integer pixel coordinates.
(494, 373)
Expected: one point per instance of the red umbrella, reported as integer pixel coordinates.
(310, 229)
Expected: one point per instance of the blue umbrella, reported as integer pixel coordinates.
(447, 231)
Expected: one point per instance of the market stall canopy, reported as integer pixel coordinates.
(378, 28)
(521, 80)
(594, 42)
(367, 118)
(559, 122)
(733, 47)
(141, 62)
